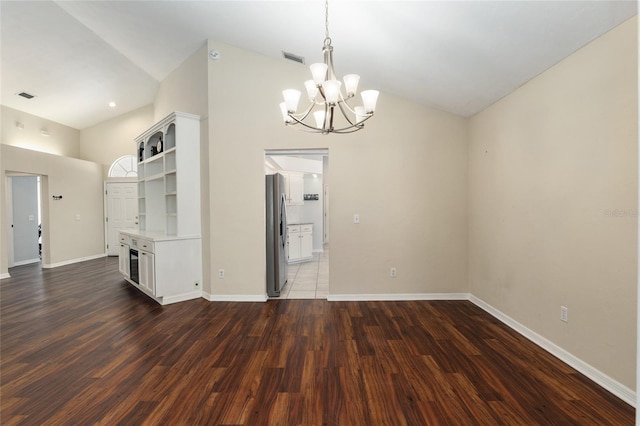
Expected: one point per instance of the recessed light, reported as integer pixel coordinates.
(112, 104)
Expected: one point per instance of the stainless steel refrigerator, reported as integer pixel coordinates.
(276, 202)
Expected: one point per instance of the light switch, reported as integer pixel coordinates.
(77, 217)
(31, 218)
(356, 218)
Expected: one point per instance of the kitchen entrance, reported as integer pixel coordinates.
(306, 243)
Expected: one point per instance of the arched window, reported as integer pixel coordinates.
(125, 166)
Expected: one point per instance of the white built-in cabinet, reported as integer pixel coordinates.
(168, 242)
(294, 186)
(123, 256)
(299, 243)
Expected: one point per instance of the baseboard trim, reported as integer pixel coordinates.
(396, 297)
(167, 300)
(72, 261)
(616, 388)
(3, 276)
(26, 262)
(235, 297)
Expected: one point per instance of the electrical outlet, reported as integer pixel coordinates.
(220, 273)
(393, 272)
(564, 314)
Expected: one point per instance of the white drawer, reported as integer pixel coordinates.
(291, 229)
(306, 228)
(142, 244)
(124, 239)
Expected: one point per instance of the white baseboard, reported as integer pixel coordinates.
(616, 388)
(167, 300)
(3, 276)
(396, 296)
(235, 297)
(72, 261)
(26, 262)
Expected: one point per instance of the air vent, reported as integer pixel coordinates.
(292, 57)
(26, 95)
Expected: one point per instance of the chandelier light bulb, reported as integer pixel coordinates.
(319, 72)
(360, 114)
(291, 98)
(351, 84)
(285, 114)
(369, 99)
(312, 90)
(319, 117)
(331, 90)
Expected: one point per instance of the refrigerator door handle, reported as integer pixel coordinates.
(283, 218)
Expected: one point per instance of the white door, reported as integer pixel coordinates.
(121, 212)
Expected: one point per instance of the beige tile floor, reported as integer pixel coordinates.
(308, 280)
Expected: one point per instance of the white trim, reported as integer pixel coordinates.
(167, 300)
(616, 388)
(72, 261)
(234, 297)
(4, 276)
(396, 296)
(26, 262)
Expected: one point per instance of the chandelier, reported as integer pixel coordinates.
(326, 97)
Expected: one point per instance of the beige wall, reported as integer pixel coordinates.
(405, 174)
(106, 142)
(185, 89)
(62, 140)
(80, 184)
(553, 199)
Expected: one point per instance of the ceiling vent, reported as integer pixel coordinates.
(26, 95)
(292, 57)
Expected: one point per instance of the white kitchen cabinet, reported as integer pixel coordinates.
(299, 243)
(169, 266)
(294, 184)
(147, 271)
(306, 241)
(123, 259)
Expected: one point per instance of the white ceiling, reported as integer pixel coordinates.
(458, 56)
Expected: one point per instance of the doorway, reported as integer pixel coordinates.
(307, 176)
(25, 219)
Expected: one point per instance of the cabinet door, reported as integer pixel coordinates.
(293, 244)
(146, 266)
(296, 190)
(123, 259)
(306, 245)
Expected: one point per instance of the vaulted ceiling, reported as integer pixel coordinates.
(458, 56)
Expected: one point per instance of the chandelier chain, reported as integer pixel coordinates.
(326, 20)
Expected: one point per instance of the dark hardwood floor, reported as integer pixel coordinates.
(80, 346)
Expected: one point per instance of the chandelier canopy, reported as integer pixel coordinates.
(325, 94)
